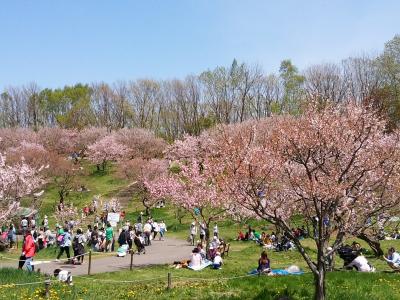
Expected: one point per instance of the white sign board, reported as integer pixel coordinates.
(113, 218)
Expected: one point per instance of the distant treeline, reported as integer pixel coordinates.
(231, 94)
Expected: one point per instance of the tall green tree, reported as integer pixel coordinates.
(292, 83)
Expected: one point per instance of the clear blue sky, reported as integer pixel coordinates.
(54, 42)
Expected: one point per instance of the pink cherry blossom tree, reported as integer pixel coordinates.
(68, 213)
(106, 149)
(16, 181)
(58, 140)
(13, 137)
(33, 154)
(141, 143)
(334, 166)
(189, 183)
(142, 171)
(87, 137)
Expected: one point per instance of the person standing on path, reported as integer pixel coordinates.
(65, 243)
(28, 252)
(147, 233)
(193, 232)
(109, 237)
(79, 246)
(163, 229)
(156, 229)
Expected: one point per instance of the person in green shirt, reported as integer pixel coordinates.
(109, 237)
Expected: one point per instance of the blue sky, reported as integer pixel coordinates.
(63, 42)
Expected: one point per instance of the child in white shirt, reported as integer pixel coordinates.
(217, 262)
(63, 276)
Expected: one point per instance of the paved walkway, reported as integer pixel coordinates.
(160, 252)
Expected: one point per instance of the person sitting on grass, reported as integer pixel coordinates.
(257, 236)
(264, 264)
(361, 264)
(353, 258)
(266, 242)
(240, 236)
(195, 259)
(63, 276)
(217, 262)
(393, 259)
(201, 250)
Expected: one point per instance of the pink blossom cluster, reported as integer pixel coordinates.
(68, 213)
(15, 181)
(336, 166)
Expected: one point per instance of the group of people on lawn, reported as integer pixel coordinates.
(141, 235)
(200, 258)
(98, 239)
(268, 241)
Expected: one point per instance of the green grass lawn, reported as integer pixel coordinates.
(207, 284)
(212, 284)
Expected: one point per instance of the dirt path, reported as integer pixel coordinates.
(160, 252)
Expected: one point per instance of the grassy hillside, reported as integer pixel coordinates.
(207, 284)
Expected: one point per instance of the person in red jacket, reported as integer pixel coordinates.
(28, 251)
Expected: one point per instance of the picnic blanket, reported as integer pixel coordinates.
(205, 264)
(279, 272)
(121, 252)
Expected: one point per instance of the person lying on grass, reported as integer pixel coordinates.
(393, 259)
(264, 264)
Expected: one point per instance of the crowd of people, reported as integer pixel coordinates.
(271, 241)
(203, 254)
(100, 236)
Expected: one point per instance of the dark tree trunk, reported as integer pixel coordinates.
(319, 276)
(61, 194)
(320, 283)
(373, 243)
(147, 213)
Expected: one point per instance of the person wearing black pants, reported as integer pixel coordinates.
(65, 244)
(62, 249)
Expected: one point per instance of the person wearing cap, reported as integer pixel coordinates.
(217, 262)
